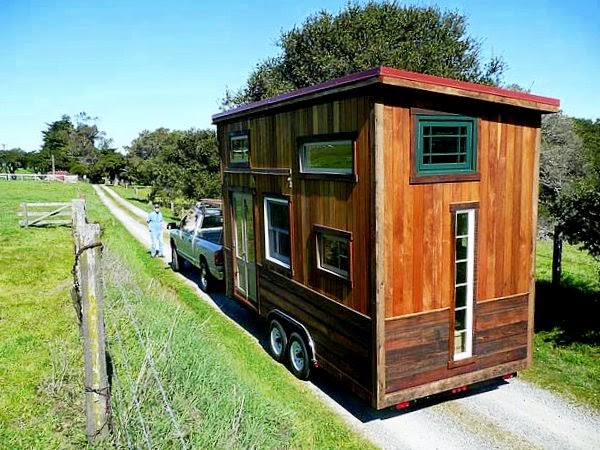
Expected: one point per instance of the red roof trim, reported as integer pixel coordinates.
(467, 86)
(374, 74)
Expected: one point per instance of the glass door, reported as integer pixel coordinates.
(245, 257)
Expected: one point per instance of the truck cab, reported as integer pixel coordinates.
(198, 239)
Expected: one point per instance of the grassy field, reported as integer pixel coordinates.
(179, 369)
(41, 393)
(140, 198)
(567, 340)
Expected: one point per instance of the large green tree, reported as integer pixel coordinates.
(57, 144)
(177, 164)
(326, 46)
(578, 207)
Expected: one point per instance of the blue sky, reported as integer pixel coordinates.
(145, 64)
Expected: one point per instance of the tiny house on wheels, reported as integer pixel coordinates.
(384, 225)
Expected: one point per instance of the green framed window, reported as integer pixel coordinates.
(446, 144)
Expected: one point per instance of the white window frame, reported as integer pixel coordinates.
(326, 267)
(325, 170)
(275, 257)
(469, 284)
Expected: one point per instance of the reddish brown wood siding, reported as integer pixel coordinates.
(417, 346)
(417, 230)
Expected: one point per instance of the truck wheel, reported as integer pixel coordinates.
(277, 340)
(176, 261)
(298, 357)
(204, 282)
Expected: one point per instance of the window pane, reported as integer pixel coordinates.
(460, 318)
(239, 148)
(278, 216)
(345, 264)
(460, 342)
(462, 224)
(272, 241)
(334, 156)
(334, 254)
(461, 248)
(284, 244)
(445, 144)
(330, 252)
(461, 272)
(461, 296)
(241, 275)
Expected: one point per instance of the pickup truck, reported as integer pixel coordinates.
(198, 239)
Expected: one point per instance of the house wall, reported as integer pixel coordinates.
(336, 312)
(417, 246)
(337, 204)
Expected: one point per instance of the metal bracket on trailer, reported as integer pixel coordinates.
(311, 345)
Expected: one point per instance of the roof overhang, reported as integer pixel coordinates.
(399, 78)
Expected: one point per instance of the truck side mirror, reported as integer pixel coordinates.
(172, 226)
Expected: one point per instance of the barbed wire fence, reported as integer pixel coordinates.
(143, 412)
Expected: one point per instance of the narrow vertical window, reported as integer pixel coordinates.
(277, 231)
(464, 255)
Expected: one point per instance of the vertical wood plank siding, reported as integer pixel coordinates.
(336, 204)
(390, 341)
(417, 222)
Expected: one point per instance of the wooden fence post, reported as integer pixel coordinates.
(88, 271)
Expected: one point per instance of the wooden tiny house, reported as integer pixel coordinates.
(384, 223)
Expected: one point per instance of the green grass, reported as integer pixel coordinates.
(225, 389)
(567, 339)
(41, 393)
(141, 199)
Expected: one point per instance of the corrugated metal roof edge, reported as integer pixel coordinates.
(375, 75)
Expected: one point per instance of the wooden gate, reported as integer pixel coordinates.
(41, 214)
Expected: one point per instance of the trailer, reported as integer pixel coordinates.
(384, 224)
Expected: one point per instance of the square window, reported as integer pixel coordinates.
(277, 231)
(446, 144)
(333, 252)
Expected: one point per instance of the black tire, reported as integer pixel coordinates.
(176, 260)
(205, 279)
(298, 359)
(277, 341)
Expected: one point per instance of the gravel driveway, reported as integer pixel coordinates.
(502, 416)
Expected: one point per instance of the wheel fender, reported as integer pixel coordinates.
(292, 324)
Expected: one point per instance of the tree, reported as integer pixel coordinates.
(360, 37)
(562, 163)
(13, 159)
(177, 164)
(578, 208)
(57, 144)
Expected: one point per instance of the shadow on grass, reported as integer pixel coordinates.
(571, 311)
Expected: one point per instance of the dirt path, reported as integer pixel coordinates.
(511, 415)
